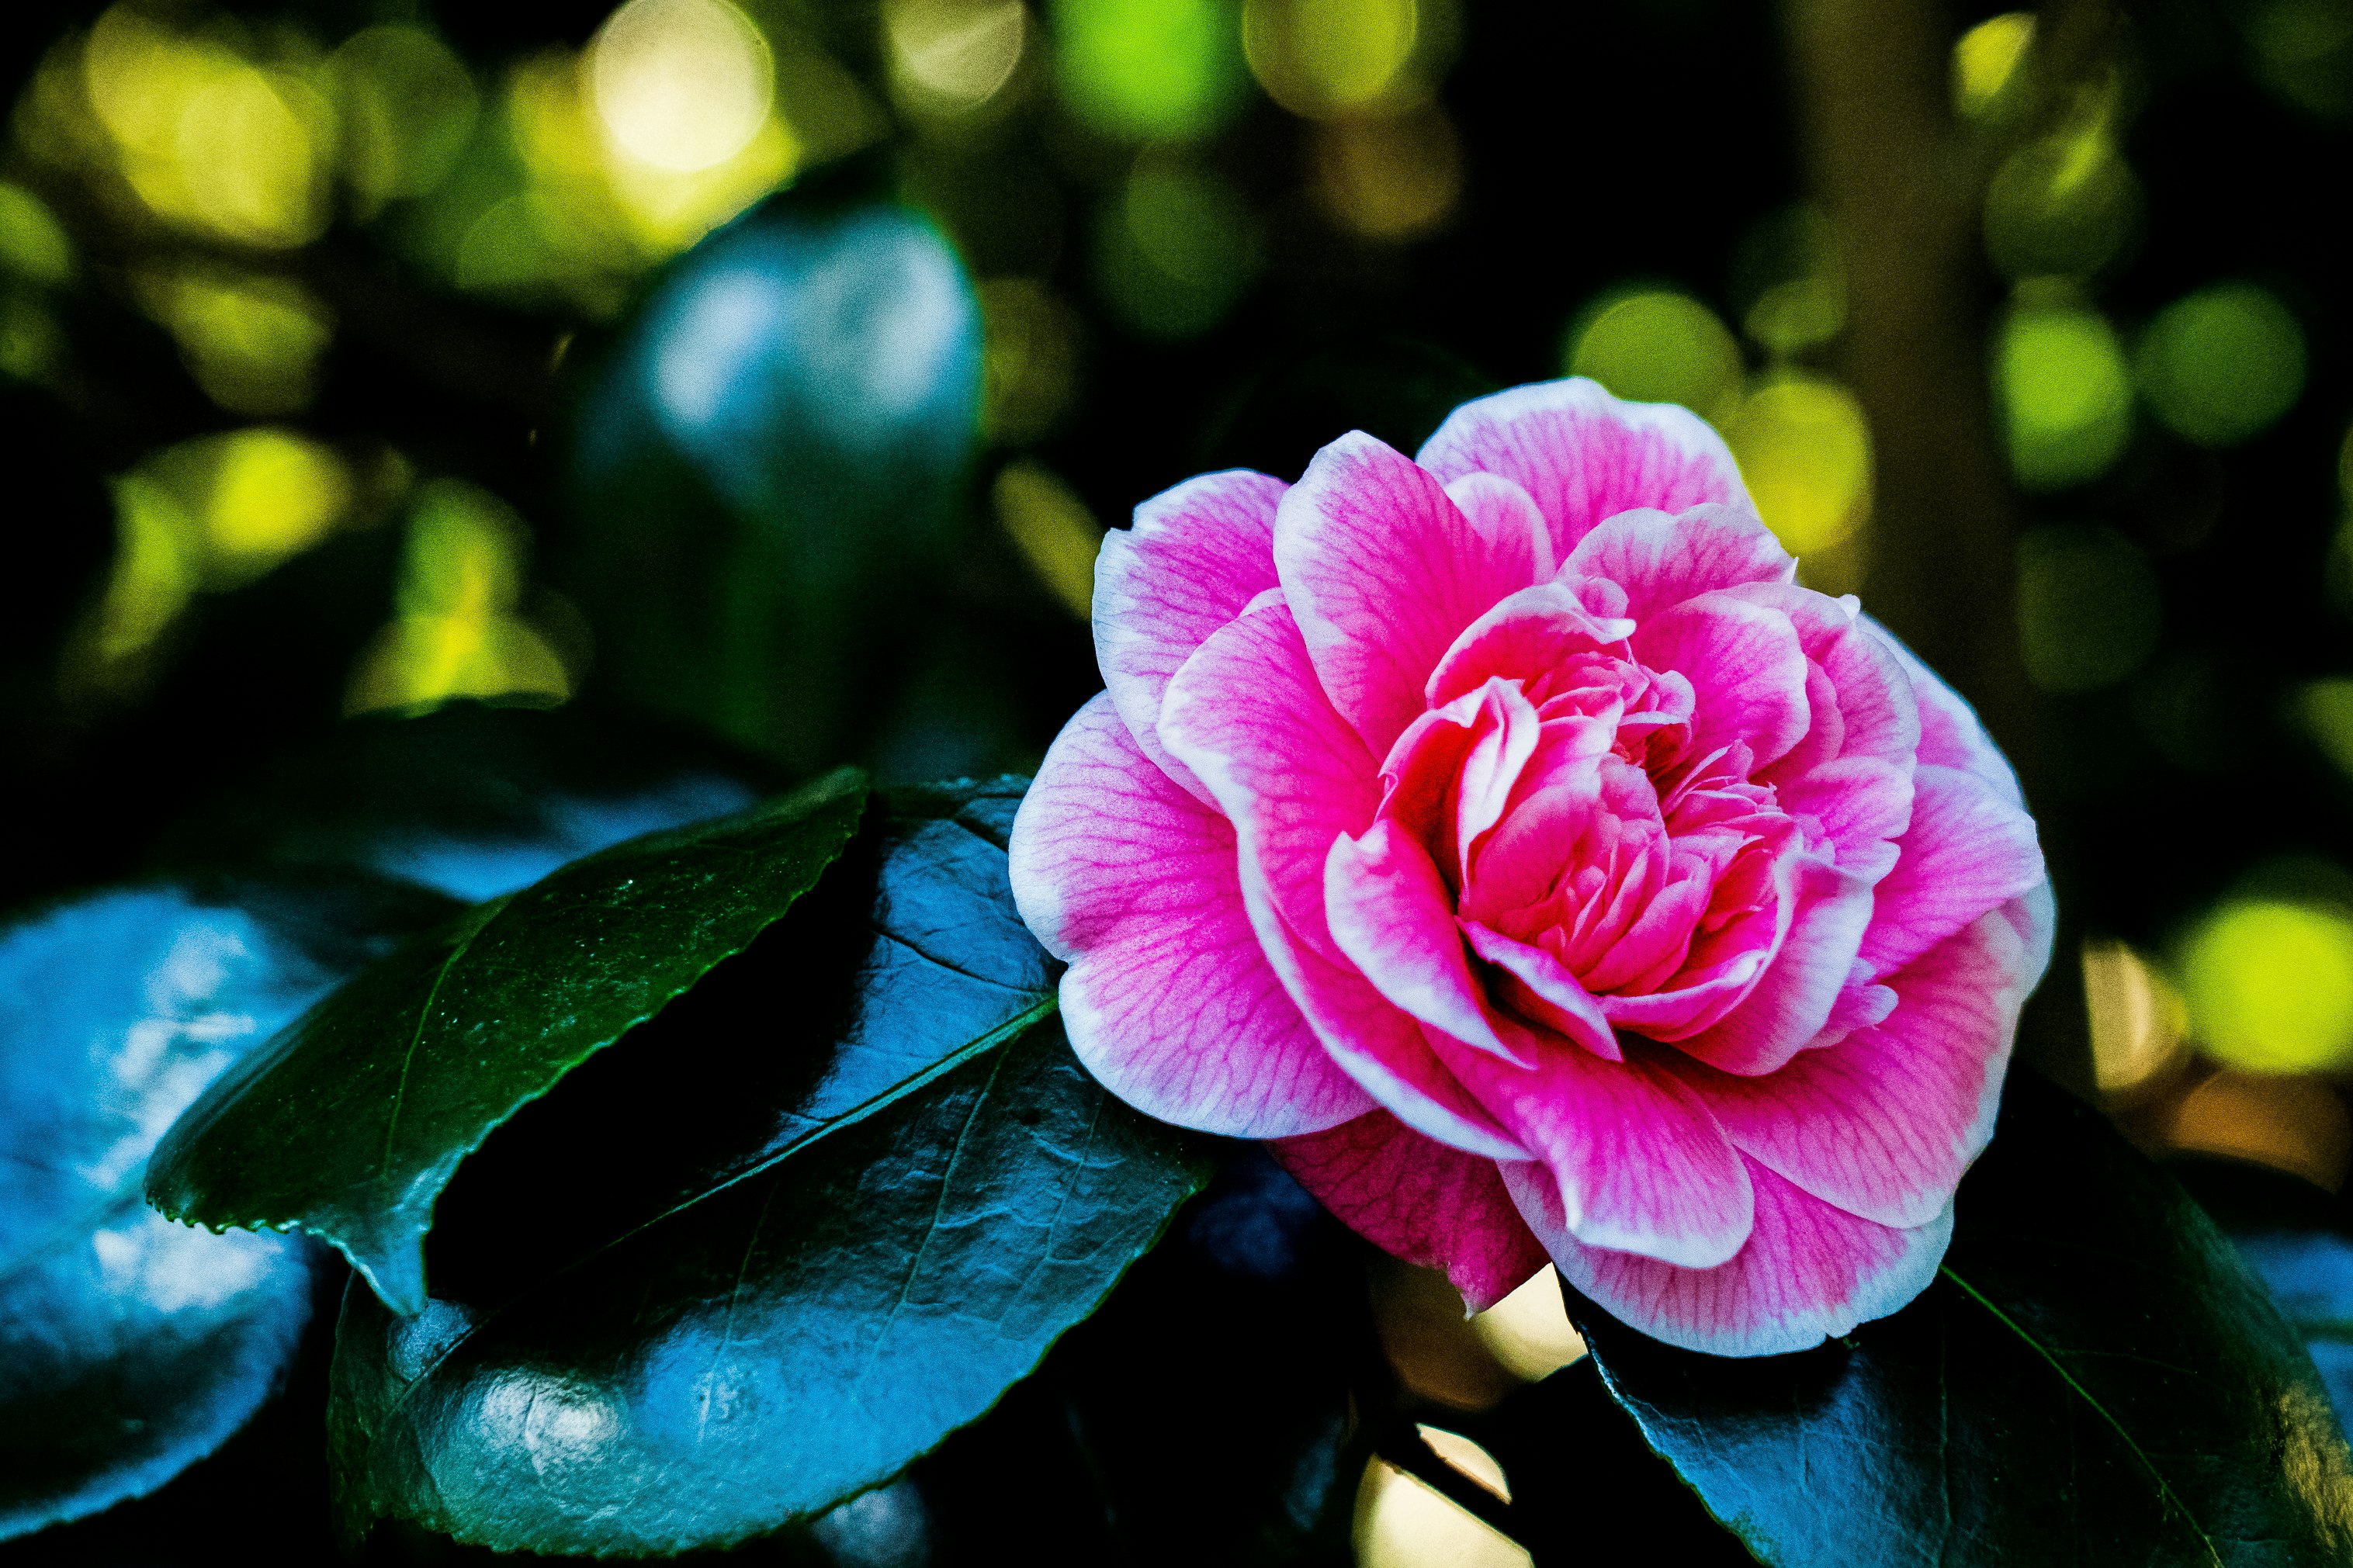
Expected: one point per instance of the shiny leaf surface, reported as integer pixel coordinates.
(756, 1358)
(843, 1195)
(352, 1121)
(130, 1346)
(2095, 1378)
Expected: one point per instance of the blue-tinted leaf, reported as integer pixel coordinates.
(130, 1346)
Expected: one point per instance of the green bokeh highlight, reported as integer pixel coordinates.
(1148, 69)
(2221, 364)
(2270, 986)
(1656, 345)
(2065, 395)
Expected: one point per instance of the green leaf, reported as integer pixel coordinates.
(756, 1358)
(352, 1121)
(2093, 1378)
(132, 1347)
(840, 1198)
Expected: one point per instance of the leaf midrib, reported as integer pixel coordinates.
(2171, 1498)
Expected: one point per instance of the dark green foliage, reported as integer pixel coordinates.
(2095, 1378)
(756, 1358)
(353, 1121)
(824, 1225)
(130, 1347)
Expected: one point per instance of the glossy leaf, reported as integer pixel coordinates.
(2297, 1241)
(2093, 1378)
(130, 1346)
(756, 1358)
(835, 1202)
(351, 1123)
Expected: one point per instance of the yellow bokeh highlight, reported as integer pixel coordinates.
(2221, 364)
(33, 244)
(1804, 451)
(1030, 360)
(591, 215)
(207, 139)
(1146, 69)
(2064, 392)
(1391, 178)
(406, 107)
(1326, 57)
(253, 342)
(682, 85)
(1528, 1331)
(267, 495)
(2137, 1018)
(1402, 1523)
(1986, 61)
(455, 632)
(2270, 986)
(950, 57)
(1052, 528)
(1656, 345)
(207, 515)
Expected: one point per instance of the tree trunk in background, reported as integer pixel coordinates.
(1902, 182)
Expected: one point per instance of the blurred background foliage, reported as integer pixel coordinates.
(766, 372)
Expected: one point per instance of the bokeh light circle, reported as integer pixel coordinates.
(2270, 985)
(680, 84)
(2223, 363)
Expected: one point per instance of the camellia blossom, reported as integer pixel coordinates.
(1505, 834)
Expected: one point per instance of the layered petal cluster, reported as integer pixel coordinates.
(1506, 833)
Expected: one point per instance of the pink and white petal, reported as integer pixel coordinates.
(2034, 916)
(1745, 668)
(1521, 637)
(1509, 519)
(1383, 571)
(1635, 1159)
(1247, 716)
(1543, 989)
(1885, 1122)
(1662, 558)
(1951, 735)
(1387, 1053)
(1879, 712)
(1392, 919)
(1169, 999)
(1861, 803)
(1682, 1011)
(1584, 456)
(1424, 1201)
(1793, 999)
(1968, 850)
(1810, 1272)
(1197, 556)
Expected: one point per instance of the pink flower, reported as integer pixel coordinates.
(1504, 834)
